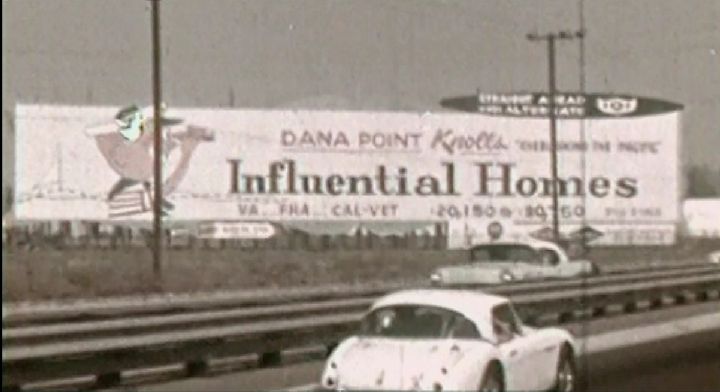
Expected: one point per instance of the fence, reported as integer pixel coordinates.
(60, 235)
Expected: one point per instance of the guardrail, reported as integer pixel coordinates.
(122, 324)
(16, 316)
(105, 350)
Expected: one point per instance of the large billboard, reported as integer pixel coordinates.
(618, 172)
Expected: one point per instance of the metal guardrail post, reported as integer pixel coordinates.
(196, 367)
(107, 380)
(269, 359)
(702, 296)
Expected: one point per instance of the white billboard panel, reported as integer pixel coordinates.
(701, 217)
(617, 174)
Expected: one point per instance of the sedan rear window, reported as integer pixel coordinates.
(502, 253)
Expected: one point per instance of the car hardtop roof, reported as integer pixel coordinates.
(470, 303)
(533, 243)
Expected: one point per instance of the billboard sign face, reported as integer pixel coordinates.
(618, 175)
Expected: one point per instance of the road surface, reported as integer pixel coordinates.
(693, 365)
(694, 371)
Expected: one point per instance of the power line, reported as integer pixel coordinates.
(583, 167)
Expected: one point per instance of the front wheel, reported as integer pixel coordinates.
(566, 378)
(492, 380)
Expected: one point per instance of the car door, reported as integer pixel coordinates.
(550, 263)
(528, 264)
(515, 353)
(542, 354)
(531, 270)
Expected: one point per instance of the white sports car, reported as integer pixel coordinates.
(450, 340)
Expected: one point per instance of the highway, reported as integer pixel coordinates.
(697, 371)
(694, 371)
(691, 366)
(197, 335)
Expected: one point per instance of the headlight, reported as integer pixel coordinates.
(506, 276)
(435, 277)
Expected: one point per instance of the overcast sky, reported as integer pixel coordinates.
(390, 55)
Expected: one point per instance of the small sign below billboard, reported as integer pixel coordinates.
(586, 234)
(545, 233)
(236, 230)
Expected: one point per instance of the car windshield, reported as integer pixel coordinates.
(417, 321)
(500, 253)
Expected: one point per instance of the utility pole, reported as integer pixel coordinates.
(550, 38)
(157, 145)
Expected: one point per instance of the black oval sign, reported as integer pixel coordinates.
(566, 105)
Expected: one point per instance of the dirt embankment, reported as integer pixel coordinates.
(43, 274)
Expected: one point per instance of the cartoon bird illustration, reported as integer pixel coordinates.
(127, 148)
(131, 122)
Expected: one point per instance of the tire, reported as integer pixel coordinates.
(492, 379)
(566, 377)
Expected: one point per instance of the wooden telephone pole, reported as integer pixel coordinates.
(157, 144)
(550, 38)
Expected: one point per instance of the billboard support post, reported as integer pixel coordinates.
(157, 144)
(550, 39)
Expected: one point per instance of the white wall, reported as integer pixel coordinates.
(702, 217)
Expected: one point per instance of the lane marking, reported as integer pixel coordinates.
(649, 333)
(300, 388)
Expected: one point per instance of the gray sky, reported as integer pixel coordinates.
(391, 55)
